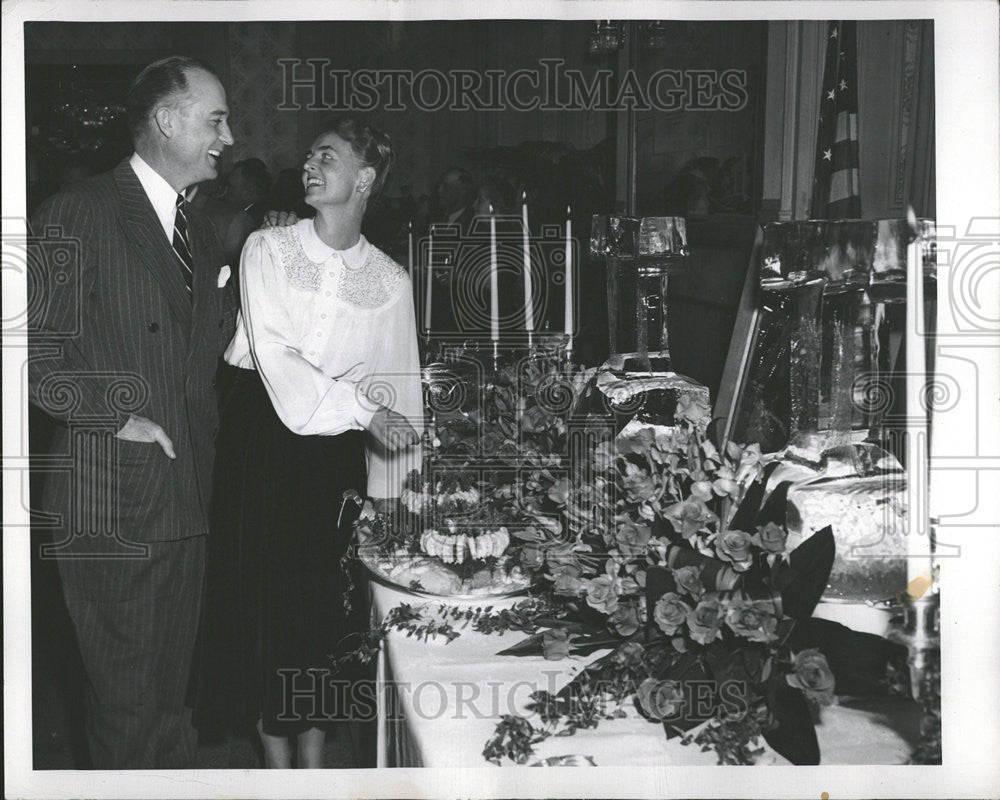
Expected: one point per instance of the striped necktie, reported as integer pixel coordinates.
(181, 242)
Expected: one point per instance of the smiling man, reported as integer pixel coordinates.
(138, 352)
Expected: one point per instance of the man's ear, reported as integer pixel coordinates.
(164, 121)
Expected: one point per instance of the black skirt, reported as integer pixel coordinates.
(282, 606)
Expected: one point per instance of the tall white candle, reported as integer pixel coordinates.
(430, 279)
(529, 305)
(409, 249)
(918, 535)
(494, 287)
(569, 278)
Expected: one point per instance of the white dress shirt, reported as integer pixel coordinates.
(333, 336)
(160, 193)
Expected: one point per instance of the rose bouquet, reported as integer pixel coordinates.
(673, 555)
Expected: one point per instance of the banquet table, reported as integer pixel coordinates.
(439, 703)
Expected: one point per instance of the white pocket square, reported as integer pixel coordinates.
(224, 274)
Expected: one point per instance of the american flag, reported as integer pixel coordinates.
(837, 186)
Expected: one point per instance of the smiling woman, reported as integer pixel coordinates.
(347, 161)
(326, 350)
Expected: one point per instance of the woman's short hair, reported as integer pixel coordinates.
(157, 82)
(370, 144)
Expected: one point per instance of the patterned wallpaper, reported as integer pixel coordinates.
(667, 140)
(97, 36)
(255, 89)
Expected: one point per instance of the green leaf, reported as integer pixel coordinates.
(532, 646)
(793, 735)
(748, 509)
(775, 507)
(803, 583)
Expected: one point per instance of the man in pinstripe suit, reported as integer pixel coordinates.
(126, 361)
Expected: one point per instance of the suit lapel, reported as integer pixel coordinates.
(203, 278)
(143, 227)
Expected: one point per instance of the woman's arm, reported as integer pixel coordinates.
(396, 384)
(307, 400)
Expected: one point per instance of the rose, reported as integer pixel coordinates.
(628, 654)
(693, 408)
(688, 580)
(679, 440)
(632, 538)
(813, 676)
(535, 420)
(601, 594)
(705, 620)
(638, 484)
(559, 492)
(725, 487)
(670, 612)
(562, 555)
(674, 441)
(660, 699)
(755, 620)
(702, 490)
(771, 537)
(625, 619)
(639, 441)
(687, 517)
(725, 482)
(567, 584)
(555, 644)
(734, 546)
(604, 456)
(531, 556)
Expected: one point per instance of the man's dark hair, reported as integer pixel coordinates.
(158, 81)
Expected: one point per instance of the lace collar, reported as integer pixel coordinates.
(319, 251)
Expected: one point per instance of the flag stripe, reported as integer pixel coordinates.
(836, 187)
(847, 126)
(843, 184)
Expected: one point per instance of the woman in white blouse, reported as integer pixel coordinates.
(324, 406)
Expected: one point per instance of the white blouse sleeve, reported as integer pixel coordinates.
(395, 383)
(306, 400)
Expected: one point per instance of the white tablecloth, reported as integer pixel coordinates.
(439, 704)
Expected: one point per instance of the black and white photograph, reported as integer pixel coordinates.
(398, 395)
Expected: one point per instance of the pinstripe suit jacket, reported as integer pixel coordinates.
(114, 332)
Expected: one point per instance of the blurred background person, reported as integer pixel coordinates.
(236, 206)
(288, 194)
(455, 196)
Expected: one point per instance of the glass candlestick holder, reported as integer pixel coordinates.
(639, 256)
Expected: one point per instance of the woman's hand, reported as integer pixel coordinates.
(393, 431)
